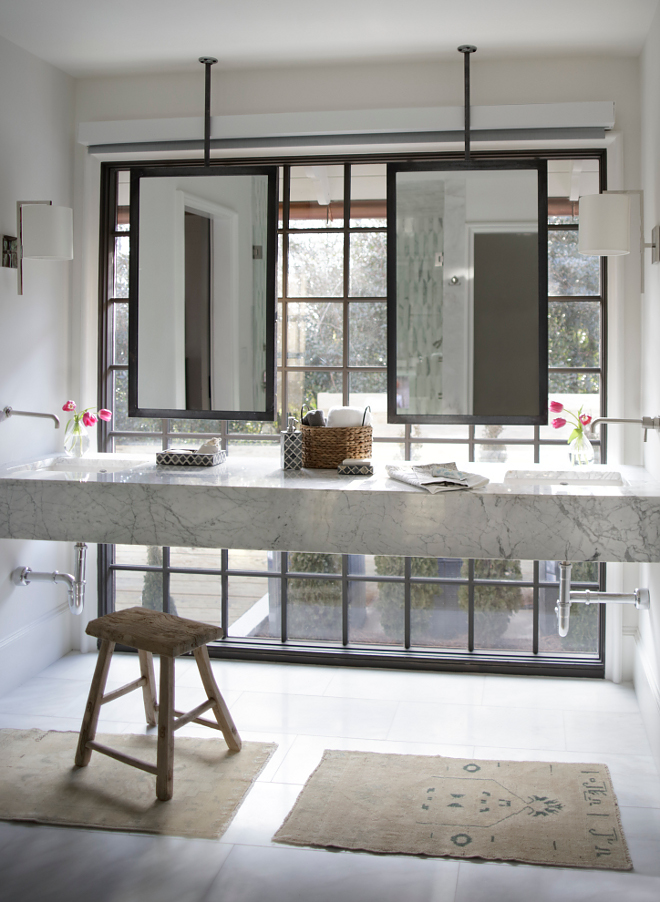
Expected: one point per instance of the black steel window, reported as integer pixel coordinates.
(331, 350)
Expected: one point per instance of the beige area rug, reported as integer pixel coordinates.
(39, 782)
(533, 812)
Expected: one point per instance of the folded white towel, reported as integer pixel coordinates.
(348, 416)
(353, 462)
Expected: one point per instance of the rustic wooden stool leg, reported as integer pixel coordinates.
(165, 756)
(220, 709)
(94, 699)
(149, 688)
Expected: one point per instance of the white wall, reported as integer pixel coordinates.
(36, 163)
(647, 664)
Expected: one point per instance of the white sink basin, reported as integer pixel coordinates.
(108, 463)
(574, 476)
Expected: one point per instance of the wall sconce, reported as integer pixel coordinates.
(44, 232)
(604, 229)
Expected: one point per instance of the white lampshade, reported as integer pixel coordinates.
(604, 225)
(47, 232)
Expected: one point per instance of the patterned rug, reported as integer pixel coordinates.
(532, 812)
(39, 782)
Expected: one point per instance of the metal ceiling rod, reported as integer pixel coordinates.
(466, 50)
(207, 62)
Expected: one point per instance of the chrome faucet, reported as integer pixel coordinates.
(10, 412)
(646, 423)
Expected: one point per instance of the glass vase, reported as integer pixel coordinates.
(580, 451)
(76, 439)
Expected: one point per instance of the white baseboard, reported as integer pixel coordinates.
(34, 646)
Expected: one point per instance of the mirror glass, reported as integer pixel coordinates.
(467, 292)
(202, 287)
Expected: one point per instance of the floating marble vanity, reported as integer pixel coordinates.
(254, 504)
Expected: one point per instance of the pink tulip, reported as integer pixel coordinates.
(556, 407)
(558, 423)
(585, 419)
(89, 419)
(70, 405)
(105, 414)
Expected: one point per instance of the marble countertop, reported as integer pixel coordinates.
(251, 503)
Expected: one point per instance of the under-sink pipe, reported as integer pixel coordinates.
(23, 576)
(640, 598)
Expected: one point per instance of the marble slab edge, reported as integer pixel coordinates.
(523, 526)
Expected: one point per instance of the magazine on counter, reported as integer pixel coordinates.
(435, 478)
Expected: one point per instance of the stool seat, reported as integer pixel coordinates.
(161, 634)
(153, 632)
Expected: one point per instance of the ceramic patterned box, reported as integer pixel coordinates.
(190, 458)
(355, 469)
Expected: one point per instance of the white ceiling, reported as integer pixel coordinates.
(98, 37)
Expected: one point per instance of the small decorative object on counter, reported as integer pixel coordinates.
(355, 467)
(76, 438)
(580, 449)
(292, 450)
(210, 454)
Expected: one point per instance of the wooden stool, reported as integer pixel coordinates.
(153, 632)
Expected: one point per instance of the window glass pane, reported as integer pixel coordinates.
(569, 272)
(255, 449)
(503, 615)
(120, 280)
(313, 562)
(182, 427)
(315, 334)
(368, 265)
(367, 337)
(317, 197)
(280, 191)
(582, 627)
(313, 389)
(148, 588)
(252, 427)
(197, 597)
(119, 314)
(439, 431)
(196, 558)
(131, 555)
(253, 611)
(439, 453)
(280, 313)
(129, 586)
(314, 605)
(574, 333)
(136, 444)
(316, 266)
(370, 390)
(437, 617)
(504, 431)
(121, 422)
(122, 213)
(254, 560)
(280, 265)
(513, 455)
(375, 613)
(387, 452)
(570, 179)
(368, 195)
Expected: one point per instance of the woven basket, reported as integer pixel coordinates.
(325, 448)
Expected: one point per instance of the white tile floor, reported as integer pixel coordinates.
(306, 710)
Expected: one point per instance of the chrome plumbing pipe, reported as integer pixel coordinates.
(640, 598)
(10, 412)
(23, 576)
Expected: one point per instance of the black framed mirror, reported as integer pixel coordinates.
(467, 284)
(202, 288)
